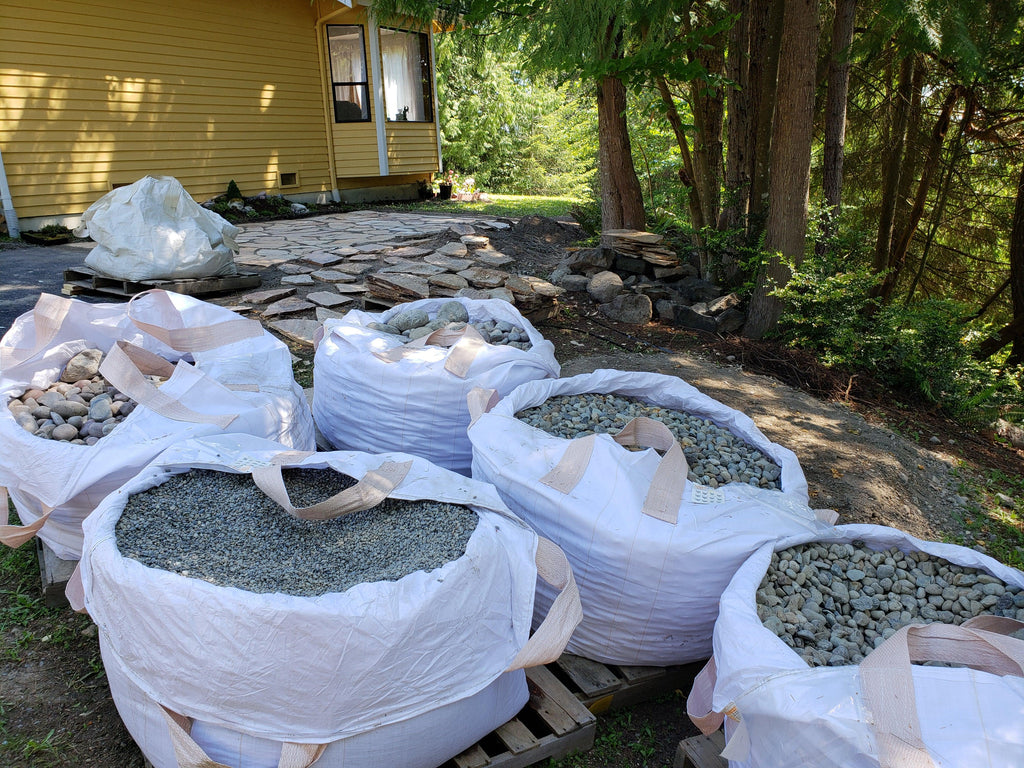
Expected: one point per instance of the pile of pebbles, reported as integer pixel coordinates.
(221, 528)
(414, 323)
(835, 603)
(80, 409)
(715, 455)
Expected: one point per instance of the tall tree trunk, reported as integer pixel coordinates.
(622, 202)
(686, 173)
(898, 255)
(911, 152)
(835, 112)
(892, 160)
(792, 134)
(707, 103)
(765, 39)
(945, 184)
(1013, 332)
(738, 126)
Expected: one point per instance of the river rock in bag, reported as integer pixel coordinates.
(193, 369)
(452, 317)
(377, 390)
(715, 455)
(81, 408)
(221, 528)
(651, 550)
(783, 710)
(835, 603)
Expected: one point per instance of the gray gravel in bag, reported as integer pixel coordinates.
(835, 603)
(221, 528)
(716, 456)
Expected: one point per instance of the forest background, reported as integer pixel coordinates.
(853, 170)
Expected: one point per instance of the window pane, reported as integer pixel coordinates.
(348, 73)
(406, 62)
(348, 64)
(351, 103)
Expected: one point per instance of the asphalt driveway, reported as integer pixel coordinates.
(28, 270)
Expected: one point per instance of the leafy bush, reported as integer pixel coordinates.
(233, 192)
(923, 348)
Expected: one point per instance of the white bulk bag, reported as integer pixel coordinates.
(407, 672)
(783, 712)
(228, 375)
(154, 230)
(375, 392)
(651, 555)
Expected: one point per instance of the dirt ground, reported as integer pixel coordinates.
(55, 706)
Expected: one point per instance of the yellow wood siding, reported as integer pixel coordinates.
(412, 147)
(355, 144)
(101, 93)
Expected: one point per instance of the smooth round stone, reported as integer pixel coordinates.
(35, 394)
(40, 412)
(68, 408)
(50, 399)
(56, 418)
(65, 432)
(76, 421)
(418, 333)
(411, 318)
(384, 328)
(26, 422)
(106, 429)
(453, 312)
(91, 440)
(100, 408)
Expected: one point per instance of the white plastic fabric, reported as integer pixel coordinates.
(649, 588)
(154, 230)
(422, 659)
(414, 405)
(792, 714)
(250, 379)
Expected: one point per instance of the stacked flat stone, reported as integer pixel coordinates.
(835, 603)
(80, 409)
(219, 527)
(715, 455)
(415, 323)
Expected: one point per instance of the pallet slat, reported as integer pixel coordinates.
(516, 736)
(84, 280)
(701, 752)
(592, 677)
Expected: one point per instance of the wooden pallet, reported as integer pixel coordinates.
(82, 280)
(552, 724)
(54, 574)
(602, 687)
(701, 752)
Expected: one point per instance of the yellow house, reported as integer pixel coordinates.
(313, 99)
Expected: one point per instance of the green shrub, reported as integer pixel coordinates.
(233, 192)
(923, 349)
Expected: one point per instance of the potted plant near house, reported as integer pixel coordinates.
(445, 184)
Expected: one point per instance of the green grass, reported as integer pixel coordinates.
(510, 206)
(999, 529)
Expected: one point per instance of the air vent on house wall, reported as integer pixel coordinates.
(114, 185)
(289, 179)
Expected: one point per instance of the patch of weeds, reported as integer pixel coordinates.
(994, 518)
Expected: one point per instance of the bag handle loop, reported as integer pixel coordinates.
(888, 683)
(668, 484)
(48, 316)
(197, 339)
(190, 755)
(124, 367)
(376, 485)
(16, 535)
(564, 615)
(464, 345)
